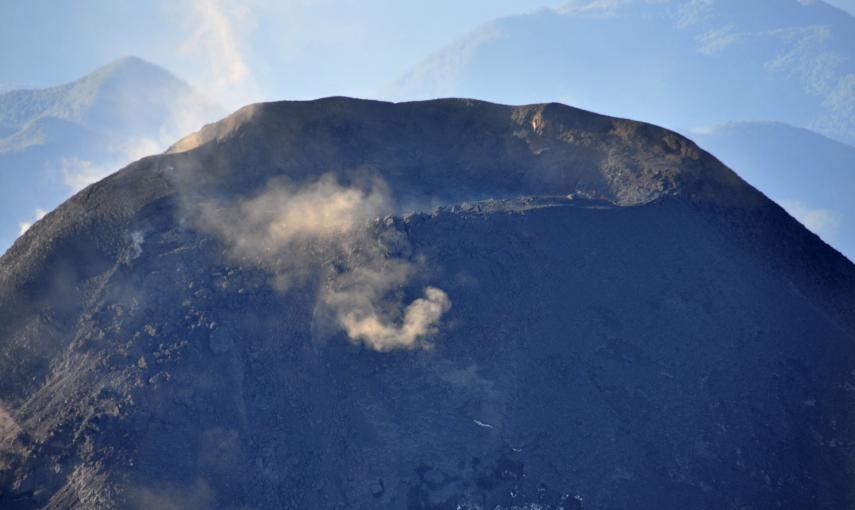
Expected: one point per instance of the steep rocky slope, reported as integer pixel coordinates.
(445, 304)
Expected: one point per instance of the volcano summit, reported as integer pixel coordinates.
(447, 304)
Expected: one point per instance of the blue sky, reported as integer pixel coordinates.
(245, 51)
(240, 51)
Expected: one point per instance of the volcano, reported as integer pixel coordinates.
(447, 304)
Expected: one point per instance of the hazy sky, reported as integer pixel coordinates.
(847, 5)
(243, 51)
(240, 51)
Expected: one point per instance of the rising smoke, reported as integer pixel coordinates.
(286, 227)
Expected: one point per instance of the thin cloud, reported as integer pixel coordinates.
(693, 12)
(217, 29)
(593, 7)
(823, 222)
(25, 225)
(78, 173)
(714, 41)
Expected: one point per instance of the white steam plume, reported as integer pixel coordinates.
(23, 226)
(217, 29)
(285, 228)
(823, 222)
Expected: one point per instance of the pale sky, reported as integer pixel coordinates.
(239, 52)
(242, 51)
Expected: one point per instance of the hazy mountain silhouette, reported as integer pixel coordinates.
(809, 174)
(582, 312)
(677, 63)
(55, 140)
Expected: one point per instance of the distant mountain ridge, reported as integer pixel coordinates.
(677, 63)
(127, 95)
(845, 5)
(810, 175)
(55, 139)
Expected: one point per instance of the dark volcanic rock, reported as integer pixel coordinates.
(632, 326)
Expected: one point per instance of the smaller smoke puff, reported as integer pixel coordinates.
(420, 319)
(137, 239)
(359, 301)
(273, 230)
